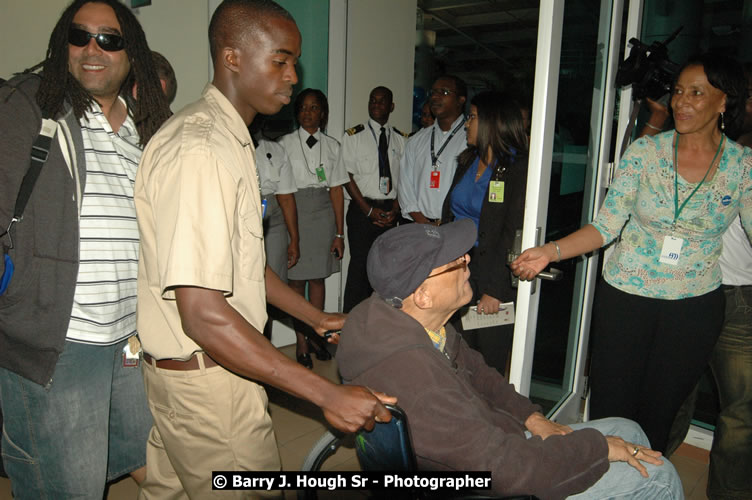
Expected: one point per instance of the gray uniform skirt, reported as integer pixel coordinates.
(276, 238)
(317, 228)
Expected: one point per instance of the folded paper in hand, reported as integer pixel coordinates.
(471, 320)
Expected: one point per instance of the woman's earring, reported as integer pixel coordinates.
(723, 125)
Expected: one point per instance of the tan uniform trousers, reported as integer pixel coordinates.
(205, 420)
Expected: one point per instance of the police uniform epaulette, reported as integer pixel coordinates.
(354, 130)
(401, 132)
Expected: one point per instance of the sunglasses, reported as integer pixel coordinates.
(106, 41)
(461, 265)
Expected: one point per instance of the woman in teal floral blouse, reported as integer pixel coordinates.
(659, 309)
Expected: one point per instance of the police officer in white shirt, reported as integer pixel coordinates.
(371, 154)
(430, 158)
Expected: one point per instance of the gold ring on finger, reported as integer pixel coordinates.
(635, 451)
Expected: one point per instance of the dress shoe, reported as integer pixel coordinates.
(305, 360)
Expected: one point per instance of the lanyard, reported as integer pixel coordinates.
(375, 139)
(302, 150)
(435, 157)
(677, 209)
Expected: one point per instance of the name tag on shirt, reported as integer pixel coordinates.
(434, 180)
(671, 250)
(320, 173)
(496, 192)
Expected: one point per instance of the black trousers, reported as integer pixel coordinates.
(361, 234)
(648, 355)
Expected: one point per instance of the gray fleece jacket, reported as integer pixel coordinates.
(36, 308)
(463, 415)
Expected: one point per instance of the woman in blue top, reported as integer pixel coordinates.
(660, 309)
(489, 188)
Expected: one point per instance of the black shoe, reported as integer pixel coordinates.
(305, 360)
(321, 352)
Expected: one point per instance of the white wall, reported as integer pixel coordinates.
(179, 30)
(380, 51)
(25, 28)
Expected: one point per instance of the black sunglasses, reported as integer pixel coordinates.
(106, 41)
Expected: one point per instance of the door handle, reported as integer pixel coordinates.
(552, 274)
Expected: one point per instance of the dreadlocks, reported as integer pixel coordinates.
(149, 110)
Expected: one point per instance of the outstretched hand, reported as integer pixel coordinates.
(530, 263)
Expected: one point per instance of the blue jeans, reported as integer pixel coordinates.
(623, 481)
(730, 473)
(89, 426)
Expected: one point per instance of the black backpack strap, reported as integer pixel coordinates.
(40, 150)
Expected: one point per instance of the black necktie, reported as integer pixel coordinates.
(384, 170)
(311, 141)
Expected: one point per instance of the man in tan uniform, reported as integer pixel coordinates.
(202, 279)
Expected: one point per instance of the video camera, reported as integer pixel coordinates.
(648, 69)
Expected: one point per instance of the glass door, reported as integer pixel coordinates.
(572, 121)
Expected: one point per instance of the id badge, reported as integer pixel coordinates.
(496, 192)
(129, 357)
(384, 186)
(263, 208)
(435, 178)
(671, 250)
(320, 173)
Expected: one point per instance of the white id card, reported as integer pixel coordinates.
(671, 250)
(384, 186)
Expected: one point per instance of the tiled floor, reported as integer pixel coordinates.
(299, 425)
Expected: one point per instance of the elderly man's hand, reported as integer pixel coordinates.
(353, 407)
(539, 425)
(623, 451)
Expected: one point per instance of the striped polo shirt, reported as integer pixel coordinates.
(104, 305)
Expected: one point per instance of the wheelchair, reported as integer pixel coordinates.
(388, 447)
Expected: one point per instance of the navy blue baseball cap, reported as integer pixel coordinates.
(402, 258)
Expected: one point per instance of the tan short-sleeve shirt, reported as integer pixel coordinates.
(199, 216)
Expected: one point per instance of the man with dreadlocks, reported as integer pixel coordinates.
(203, 283)
(74, 406)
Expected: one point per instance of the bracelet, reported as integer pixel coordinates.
(369, 212)
(648, 124)
(340, 236)
(558, 251)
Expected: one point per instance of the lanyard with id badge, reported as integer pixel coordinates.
(496, 186)
(672, 245)
(320, 173)
(435, 178)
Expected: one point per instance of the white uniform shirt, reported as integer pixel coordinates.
(274, 169)
(360, 157)
(414, 191)
(305, 160)
(736, 256)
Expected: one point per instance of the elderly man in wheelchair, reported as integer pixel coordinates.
(463, 414)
